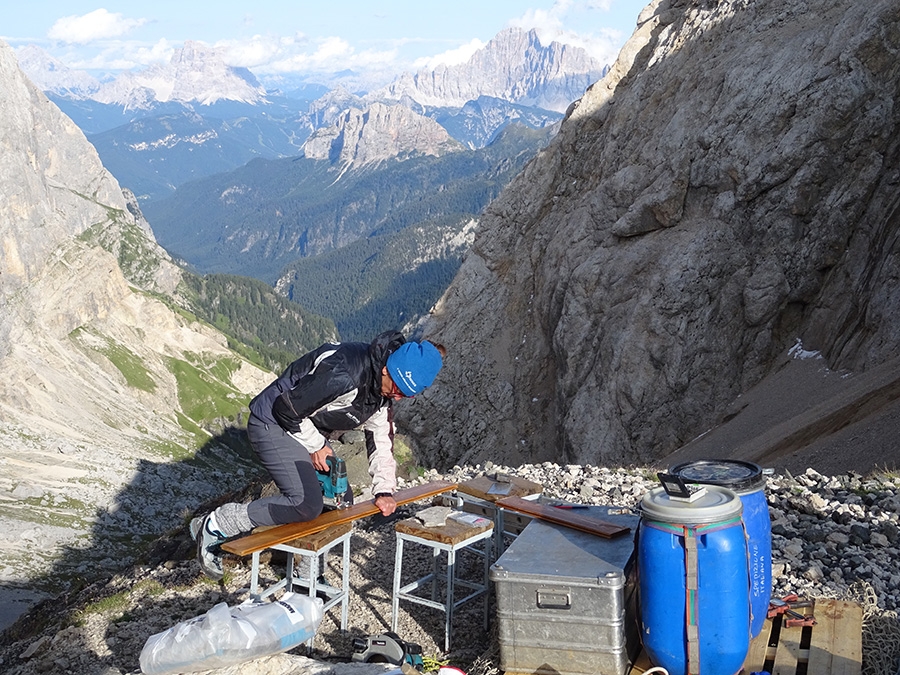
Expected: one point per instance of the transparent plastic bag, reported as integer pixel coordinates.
(223, 636)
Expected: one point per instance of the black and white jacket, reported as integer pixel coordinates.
(337, 387)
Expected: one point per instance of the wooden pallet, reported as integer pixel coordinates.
(832, 647)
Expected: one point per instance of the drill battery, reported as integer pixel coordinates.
(387, 648)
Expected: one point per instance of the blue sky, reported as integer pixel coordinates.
(282, 36)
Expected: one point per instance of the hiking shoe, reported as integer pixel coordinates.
(194, 527)
(208, 536)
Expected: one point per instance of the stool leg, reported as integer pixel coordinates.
(448, 619)
(313, 569)
(254, 576)
(395, 598)
(289, 573)
(345, 583)
(486, 579)
(435, 566)
(498, 531)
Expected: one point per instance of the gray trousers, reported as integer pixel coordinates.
(291, 468)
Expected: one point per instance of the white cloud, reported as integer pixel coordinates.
(451, 57)
(258, 50)
(329, 54)
(332, 48)
(97, 25)
(550, 26)
(125, 56)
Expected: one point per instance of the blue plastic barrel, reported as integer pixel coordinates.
(694, 582)
(747, 480)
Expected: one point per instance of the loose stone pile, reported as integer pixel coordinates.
(833, 536)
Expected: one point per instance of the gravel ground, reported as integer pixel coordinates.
(832, 537)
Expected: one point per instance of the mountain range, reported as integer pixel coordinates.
(339, 233)
(433, 157)
(514, 67)
(219, 115)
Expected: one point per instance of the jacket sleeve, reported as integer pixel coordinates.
(379, 430)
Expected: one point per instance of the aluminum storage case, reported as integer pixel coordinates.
(565, 600)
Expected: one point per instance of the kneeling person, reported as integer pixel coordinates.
(337, 387)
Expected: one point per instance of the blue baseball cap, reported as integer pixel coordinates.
(413, 366)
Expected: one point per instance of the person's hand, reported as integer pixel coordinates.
(386, 504)
(318, 458)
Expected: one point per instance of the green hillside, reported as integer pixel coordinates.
(382, 281)
(197, 146)
(260, 324)
(256, 220)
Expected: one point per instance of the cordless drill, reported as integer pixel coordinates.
(334, 483)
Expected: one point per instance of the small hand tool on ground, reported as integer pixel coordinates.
(793, 618)
(786, 606)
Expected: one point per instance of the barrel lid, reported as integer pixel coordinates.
(718, 504)
(735, 474)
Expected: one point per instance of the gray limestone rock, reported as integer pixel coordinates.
(727, 189)
(378, 133)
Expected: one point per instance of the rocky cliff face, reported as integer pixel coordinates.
(513, 66)
(379, 132)
(95, 369)
(730, 187)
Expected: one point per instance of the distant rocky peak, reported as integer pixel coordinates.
(52, 75)
(326, 110)
(513, 66)
(193, 51)
(195, 73)
(379, 132)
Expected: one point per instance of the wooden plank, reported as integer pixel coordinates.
(451, 532)
(319, 540)
(788, 652)
(836, 646)
(565, 517)
(518, 487)
(761, 647)
(822, 638)
(283, 533)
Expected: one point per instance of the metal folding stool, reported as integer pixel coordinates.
(451, 537)
(312, 548)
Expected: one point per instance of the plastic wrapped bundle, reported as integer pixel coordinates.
(225, 636)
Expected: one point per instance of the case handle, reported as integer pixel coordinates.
(553, 599)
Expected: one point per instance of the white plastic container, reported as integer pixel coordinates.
(224, 637)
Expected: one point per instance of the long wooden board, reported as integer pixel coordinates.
(564, 517)
(258, 541)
